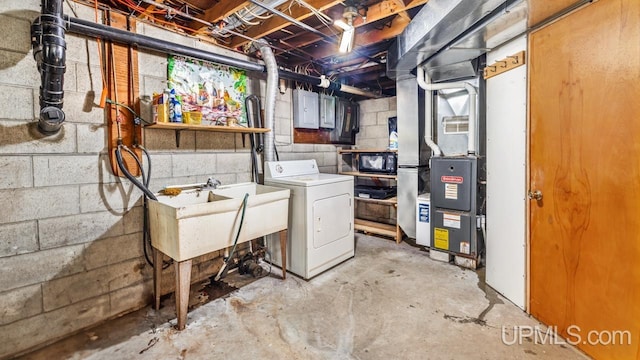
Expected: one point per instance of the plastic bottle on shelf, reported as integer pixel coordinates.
(172, 104)
(177, 110)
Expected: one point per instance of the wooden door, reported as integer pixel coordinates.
(585, 160)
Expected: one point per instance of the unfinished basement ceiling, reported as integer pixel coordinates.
(310, 47)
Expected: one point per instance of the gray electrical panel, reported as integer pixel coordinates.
(306, 111)
(454, 199)
(327, 111)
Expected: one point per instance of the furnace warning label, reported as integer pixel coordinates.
(441, 238)
(452, 179)
(423, 212)
(451, 191)
(451, 220)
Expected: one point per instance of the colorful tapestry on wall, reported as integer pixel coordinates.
(215, 91)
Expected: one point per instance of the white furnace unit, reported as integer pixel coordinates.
(320, 216)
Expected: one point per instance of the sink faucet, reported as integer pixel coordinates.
(212, 183)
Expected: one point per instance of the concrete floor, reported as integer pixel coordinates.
(389, 302)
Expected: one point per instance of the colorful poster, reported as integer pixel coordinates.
(215, 91)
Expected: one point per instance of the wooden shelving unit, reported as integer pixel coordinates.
(178, 127)
(389, 201)
(217, 128)
(368, 226)
(364, 225)
(355, 151)
(379, 176)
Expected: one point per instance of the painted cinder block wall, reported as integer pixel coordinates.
(70, 249)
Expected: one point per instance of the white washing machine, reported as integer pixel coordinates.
(320, 216)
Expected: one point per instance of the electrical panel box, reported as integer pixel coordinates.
(306, 112)
(327, 111)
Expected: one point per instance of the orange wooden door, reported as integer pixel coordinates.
(585, 159)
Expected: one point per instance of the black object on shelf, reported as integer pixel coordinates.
(375, 192)
(378, 162)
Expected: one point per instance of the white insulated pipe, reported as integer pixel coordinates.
(425, 83)
(428, 117)
(270, 100)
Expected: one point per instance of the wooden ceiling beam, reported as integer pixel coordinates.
(385, 9)
(363, 77)
(360, 70)
(363, 39)
(375, 13)
(219, 11)
(276, 23)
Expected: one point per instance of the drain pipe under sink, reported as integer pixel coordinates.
(425, 83)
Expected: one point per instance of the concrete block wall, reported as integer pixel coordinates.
(374, 134)
(374, 124)
(70, 232)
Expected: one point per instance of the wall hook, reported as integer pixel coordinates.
(500, 66)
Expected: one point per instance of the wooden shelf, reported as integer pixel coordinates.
(350, 151)
(179, 127)
(371, 175)
(389, 201)
(218, 128)
(348, 160)
(373, 227)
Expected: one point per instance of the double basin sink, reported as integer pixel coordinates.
(197, 222)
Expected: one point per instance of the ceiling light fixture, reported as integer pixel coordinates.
(348, 37)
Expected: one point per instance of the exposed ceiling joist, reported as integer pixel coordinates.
(276, 23)
(386, 8)
(359, 70)
(377, 12)
(363, 39)
(219, 11)
(315, 42)
(372, 76)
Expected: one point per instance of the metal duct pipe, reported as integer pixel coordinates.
(270, 100)
(473, 94)
(49, 51)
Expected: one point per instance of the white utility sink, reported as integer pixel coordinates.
(197, 222)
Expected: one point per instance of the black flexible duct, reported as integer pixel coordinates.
(49, 50)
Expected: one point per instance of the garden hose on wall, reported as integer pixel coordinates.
(142, 185)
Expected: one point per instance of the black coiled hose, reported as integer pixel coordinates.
(144, 186)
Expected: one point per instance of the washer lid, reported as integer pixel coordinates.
(310, 179)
